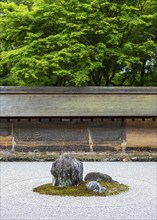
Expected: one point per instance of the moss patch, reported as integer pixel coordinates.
(81, 190)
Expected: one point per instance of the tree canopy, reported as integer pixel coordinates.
(78, 42)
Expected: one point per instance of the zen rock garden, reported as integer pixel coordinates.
(67, 180)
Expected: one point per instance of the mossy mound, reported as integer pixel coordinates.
(81, 190)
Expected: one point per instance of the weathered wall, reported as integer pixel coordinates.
(76, 135)
(141, 134)
(6, 136)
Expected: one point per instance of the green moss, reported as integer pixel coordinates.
(81, 190)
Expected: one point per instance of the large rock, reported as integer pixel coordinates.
(67, 171)
(95, 187)
(96, 176)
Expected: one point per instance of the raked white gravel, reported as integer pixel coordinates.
(19, 202)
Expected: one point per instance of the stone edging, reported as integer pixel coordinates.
(83, 156)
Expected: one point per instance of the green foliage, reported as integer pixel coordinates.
(76, 42)
(81, 190)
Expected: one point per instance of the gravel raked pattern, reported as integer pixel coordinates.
(19, 202)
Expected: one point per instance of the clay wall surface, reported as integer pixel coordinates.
(78, 135)
(141, 134)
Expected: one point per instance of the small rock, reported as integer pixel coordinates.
(36, 151)
(134, 158)
(115, 159)
(125, 159)
(95, 187)
(96, 176)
